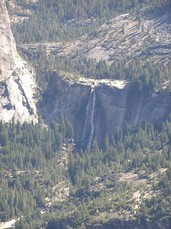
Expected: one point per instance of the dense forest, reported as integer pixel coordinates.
(52, 20)
(27, 165)
(29, 171)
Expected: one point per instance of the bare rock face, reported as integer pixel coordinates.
(111, 108)
(17, 83)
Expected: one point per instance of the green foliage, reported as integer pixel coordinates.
(28, 164)
(28, 168)
(27, 154)
(62, 20)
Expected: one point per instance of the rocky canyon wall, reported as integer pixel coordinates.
(113, 107)
(17, 78)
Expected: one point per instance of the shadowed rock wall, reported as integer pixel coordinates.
(113, 107)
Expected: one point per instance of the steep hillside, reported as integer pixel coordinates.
(145, 34)
(17, 82)
(98, 94)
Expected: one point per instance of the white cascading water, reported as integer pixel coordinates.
(88, 130)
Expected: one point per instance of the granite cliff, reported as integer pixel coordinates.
(17, 78)
(116, 104)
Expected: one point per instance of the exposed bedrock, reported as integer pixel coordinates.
(113, 107)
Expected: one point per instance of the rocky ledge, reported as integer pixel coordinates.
(99, 109)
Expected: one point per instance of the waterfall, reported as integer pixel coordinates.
(92, 118)
(88, 130)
